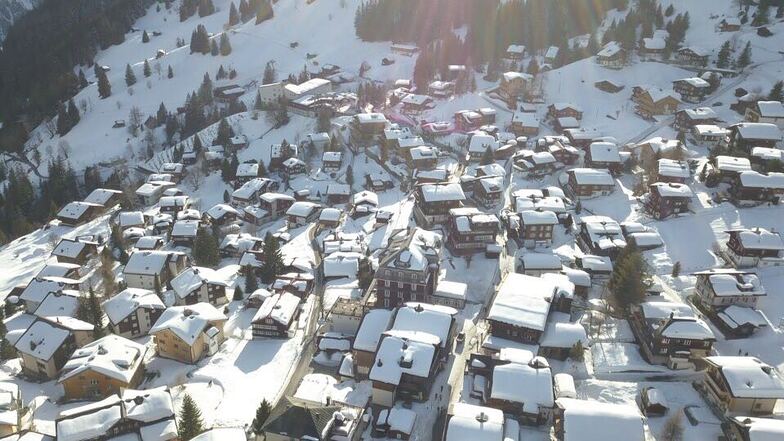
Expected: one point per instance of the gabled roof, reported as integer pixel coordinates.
(113, 356)
(299, 421)
(188, 322)
(122, 304)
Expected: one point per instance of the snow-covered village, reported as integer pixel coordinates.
(446, 220)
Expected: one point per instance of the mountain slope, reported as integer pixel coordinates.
(11, 10)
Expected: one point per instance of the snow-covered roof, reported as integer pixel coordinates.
(517, 49)
(768, 153)
(101, 196)
(673, 169)
(734, 283)
(307, 86)
(193, 278)
(42, 339)
(122, 304)
(687, 328)
(735, 316)
(598, 421)
(755, 179)
(222, 434)
(663, 310)
(591, 176)
(279, 307)
(748, 377)
(563, 335)
(69, 248)
(521, 383)
(451, 290)
(473, 423)
(364, 118)
(596, 263)
(760, 239)
(481, 141)
(302, 209)
(545, 217)
(603, 231)
(250, 188)
(397, 356)
(540, 261)
(732, 163)
(423, 323)
(700, 113)
(695, 82)
(342, 264)
(567, 122)
(174, 201)
(217, 211)
(399, 419)
(373, 324)
(709, 129)
(185, 228)
(75, 209)
(61, 303)
(761, 429)
(442, 192)
(673, 190)
(758, 131)
(604, 152)
(415, 99)
(771, 109)
(365, 197)
(551, 52)
(653, 43)
(113, 356)
(188, 322)
(512, 75)
(522, 301)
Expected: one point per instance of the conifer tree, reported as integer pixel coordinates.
(777, 92)
(63, 125)
(170, 73)
(224, 133)
(676, 269)
(206, 8)
(130, 77)
(162, 113)
(7, 351)
(745, 57)
(762, 17)
(262, 414)
(189, 423)
(145, 37)
(214, 50)
(251, 284)
(221, 73)
(628, 280)
(273, 259)
(205, 248)
(723, 59)
(246, 13)
(225, 45)
(264, 11)
(104, 88)
(350, 176)
(147, 71)
(234, 16)
(107, 272)
(270, 76)
(73, 113)
(82, 80)
(238, 295)
(487, 156)
(257, 105)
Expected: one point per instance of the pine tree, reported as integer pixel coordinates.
(7, 351)
(273, 259)
(776, 92)
(262, 413)
(214, 50)
(130, 77)
(234, 16)
(206, 8)
(676, 269)
(628, 280)
(147, 71)
(162, 113)
(73, 113)
(533, 66)
(221, 73)
(246, 13)
(63, 125)
(224, 133)
(264, 12)
(487, 157)
(577, 351)
(225, 45)
(107, 272)
(745, 57)
(145, 37)
(82, 80)
(763, 16)
(669, 11)
(104, 88)
(251, 284)
(350, 176)
(365, 274)
(270, 75)
(205, 248)
(238, 295)
(170, 73)
(780, 11)
(723, 59)
(189, 422)
(257, 104)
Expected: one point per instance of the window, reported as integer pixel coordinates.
(94, 382)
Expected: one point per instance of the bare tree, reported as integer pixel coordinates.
(195, 177)
(134, 120)
(83, 105)
(50, 127)
(673, 428)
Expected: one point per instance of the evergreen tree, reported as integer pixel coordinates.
(273, 259)
(763, 16)
(130, 77)
(147, 71)
(780, 11)
(669, 11)
(238, 296)
(63, 125)
(206, 8)
(676, 269)
(533, 66)
(221, 73)
(487, 157)
(107, 272)
(365, 274)
(270, 75)
(162, 113)
(251, 284)
(7, 350)
(104, 88)
(73, 113)
(234, 16)
(225, 45)
(200, 40)
(264, 11)
(745, 57)
(628, 280)
(350, 176)
(776, 92)
(246, 13)
(170, 73)
(214, 50)
(257, 105)
(577, 351)
(145, 37)
(224, 133)
(82, 80)
(205, 248)
(723, 59)
(262, 413)
(189, 422)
